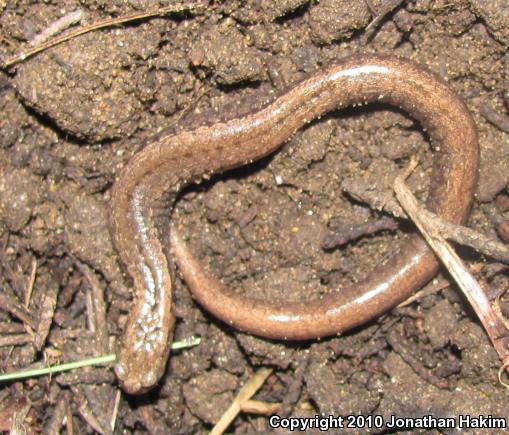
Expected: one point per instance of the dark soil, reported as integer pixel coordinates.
(70, 119)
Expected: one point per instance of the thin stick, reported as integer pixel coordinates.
(89, 304)
(245, 394)
(456, 233)
(387, 7)
(114, 414)
(435, 287)
(468, 237)
(260, 408)
(11, 328)
(31, 282)
(56, 420)
(467, 283)
(500, 371)
(109, 22)
(98, 307)
(371, 8)
(68, 421)
(15, 339)
(87, 414)
(186, 342)
(46, 313)
(9, 304)
(201, 93)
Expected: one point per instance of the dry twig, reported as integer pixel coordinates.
(114, 414)
(146, 413)
(200, 93)
(468, 237)
(87, 414)
(11, 328)
(31, 282)
(430, 289)
(246, 392)
(456, 233)
(387, 7)
(109, 22)
(56, 421)
(68, 421)
(10, 305)
(260, 408)
(467, 283)
(98, 309)
(15, 339)
(46, 311)
(500, 372)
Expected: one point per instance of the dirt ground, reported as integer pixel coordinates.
(72, 116)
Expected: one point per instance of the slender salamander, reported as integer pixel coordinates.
(144, 194)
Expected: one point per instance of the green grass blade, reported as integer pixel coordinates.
(105, 359)
(56, 369)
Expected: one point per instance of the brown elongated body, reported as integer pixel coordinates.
(144, 194)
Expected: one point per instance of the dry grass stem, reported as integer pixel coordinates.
(246, 392)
